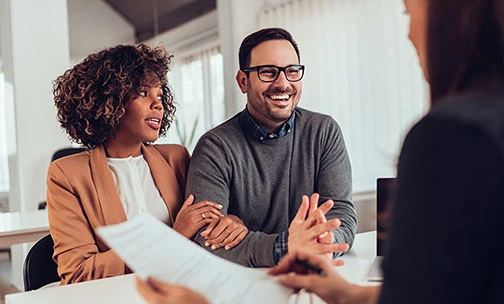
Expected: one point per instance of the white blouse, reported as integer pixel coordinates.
(136, 187)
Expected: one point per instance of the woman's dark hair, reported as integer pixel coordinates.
(465, 45)
(256, 38)
(92, 96)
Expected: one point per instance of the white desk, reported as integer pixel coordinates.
(22, 227)
(122, 289)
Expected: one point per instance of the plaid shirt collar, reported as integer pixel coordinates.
(261, 133)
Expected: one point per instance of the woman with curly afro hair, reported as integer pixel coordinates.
(116, 102)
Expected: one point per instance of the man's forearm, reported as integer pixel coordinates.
(255, 250)
(345, 212)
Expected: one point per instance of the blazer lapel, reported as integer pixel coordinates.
(110, 203)
(165, 179)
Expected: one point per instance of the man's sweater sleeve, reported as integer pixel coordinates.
(334, 182)
(209, 179)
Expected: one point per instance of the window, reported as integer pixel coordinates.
(198, 86)
(4, 165)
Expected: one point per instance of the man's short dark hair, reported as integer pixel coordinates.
(258, 37)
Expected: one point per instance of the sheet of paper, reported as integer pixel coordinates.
(151, 248)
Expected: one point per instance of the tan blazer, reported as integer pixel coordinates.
(82, 196)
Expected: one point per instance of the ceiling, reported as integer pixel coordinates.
(142, 14)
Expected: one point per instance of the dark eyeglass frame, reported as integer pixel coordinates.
(280, 69)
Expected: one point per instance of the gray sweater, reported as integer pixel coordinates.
(262, 182)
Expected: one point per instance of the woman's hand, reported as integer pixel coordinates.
(192, 218)
(158, 292)
(329, 285)
(228, 231)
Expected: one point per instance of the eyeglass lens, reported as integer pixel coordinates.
(270, 73)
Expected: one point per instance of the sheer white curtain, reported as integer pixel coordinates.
(196, 78)
(4, 152)
(362, 70)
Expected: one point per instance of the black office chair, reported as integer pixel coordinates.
(39, 268)
(65, 152)
(59, 154)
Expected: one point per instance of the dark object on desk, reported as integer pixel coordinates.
(6, 250)
(385, 197)
(39, 268)
(42, 205)
(59, 154)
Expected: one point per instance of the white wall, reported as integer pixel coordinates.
(237, 19)
(35, 56)
(94, 25)
(88, 26)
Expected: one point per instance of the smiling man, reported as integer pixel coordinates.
(260, 163)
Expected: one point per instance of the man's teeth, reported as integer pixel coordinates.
(285, 96)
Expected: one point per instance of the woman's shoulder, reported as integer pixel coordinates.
(168, 148)
(474, 108)
(482, 112)
(171, 152)
(73, 160)
(75, 166)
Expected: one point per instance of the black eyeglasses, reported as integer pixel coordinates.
(270, 73)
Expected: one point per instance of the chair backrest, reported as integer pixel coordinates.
(59, 154)
(39, 267)
(65, 152)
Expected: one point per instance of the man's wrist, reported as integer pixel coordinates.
(280, 247)
(336, 254)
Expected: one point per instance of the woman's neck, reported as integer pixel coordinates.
(115, 149)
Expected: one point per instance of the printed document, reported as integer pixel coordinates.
(151, 248)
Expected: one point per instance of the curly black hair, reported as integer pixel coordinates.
(92, 96)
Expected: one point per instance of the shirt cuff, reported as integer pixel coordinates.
(336, 254)
(281, 247)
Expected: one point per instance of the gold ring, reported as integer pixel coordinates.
(227, 231)
(203, 215)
